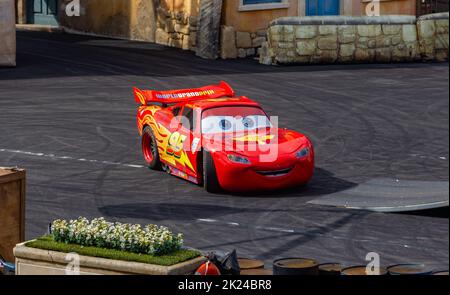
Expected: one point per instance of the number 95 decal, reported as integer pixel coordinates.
(175, 144)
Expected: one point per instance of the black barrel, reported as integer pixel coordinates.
(360, 270)
(256, 272)
(295, 266)
(409, 269)
(246, 263)
(327, 269)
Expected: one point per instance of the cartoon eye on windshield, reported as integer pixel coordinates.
(207, 126)
(225, 124)
(218, 124)
(248, 122)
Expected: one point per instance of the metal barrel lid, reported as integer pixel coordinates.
(330, 268)
(256, 272)
(295, 266)
(361, 270)
(409, 269)
(246, 263)
(441, 273)
(8, 266)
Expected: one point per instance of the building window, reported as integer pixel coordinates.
(247, 2)
(431, 6)
(249, 5)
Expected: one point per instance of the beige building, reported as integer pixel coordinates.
(182, 23)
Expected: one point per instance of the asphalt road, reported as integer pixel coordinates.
(67, 115)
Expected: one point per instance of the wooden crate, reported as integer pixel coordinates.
(7, 33)
(12, 210)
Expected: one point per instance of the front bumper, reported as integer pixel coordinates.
(287, 171)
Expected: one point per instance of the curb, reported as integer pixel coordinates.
(39, 28)
(32, 261)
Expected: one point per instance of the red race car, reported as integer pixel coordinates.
(212, 137)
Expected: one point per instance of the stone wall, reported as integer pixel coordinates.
(176, 28)
(432, 30)
(339, 39)
(7, 33)
(234, 44)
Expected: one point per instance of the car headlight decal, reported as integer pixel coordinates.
(302, 153)
(238, 159)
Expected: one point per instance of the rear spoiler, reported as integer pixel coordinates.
(144, 97)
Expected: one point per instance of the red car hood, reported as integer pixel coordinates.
(256, 142)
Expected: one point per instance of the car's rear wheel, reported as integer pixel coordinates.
(210, 181)
(150, 149)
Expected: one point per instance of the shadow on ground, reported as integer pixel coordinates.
(442, 212)
(86, 57)
(323, 183)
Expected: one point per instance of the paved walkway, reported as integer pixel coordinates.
(67, 115)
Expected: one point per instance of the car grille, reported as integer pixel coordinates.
(274, 173)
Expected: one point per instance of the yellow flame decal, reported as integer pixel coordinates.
(141, 98)
(162, 135)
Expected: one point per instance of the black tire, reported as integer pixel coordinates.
(155, 162)
(210, 181)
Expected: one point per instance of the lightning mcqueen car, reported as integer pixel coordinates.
(212, 137)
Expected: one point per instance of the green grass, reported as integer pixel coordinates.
(48, 243)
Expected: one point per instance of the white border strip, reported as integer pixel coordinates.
(53, 156)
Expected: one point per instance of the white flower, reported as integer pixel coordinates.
(150, 239)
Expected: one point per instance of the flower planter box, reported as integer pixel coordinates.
(32, 261)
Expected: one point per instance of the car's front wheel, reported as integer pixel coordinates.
(150, 149)
(210, 181)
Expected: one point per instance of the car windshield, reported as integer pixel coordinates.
(233, 119)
